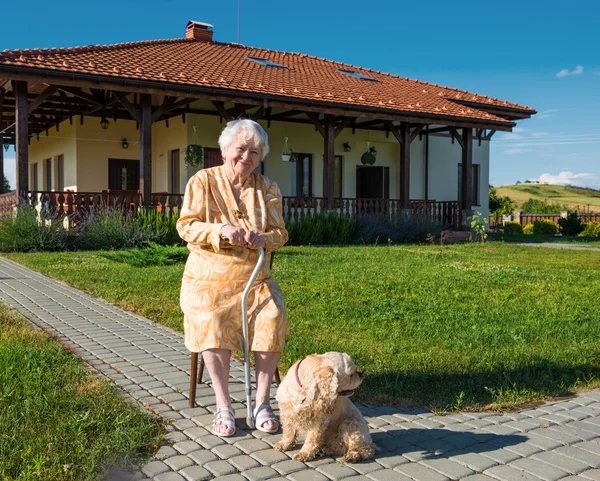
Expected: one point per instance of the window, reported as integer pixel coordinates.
(358, 75)
(337, 177)
(475, 184)
(48, 163)
(174, 172)
(212, 157)
(265, 62)
(60, 171)
(302, 176)
(34, 176)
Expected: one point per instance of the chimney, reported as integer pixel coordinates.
(200, 31)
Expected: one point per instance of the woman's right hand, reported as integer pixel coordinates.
(235, 235)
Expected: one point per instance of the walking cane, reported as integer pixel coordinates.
(261, 258)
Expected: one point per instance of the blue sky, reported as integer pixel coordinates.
(540, 53)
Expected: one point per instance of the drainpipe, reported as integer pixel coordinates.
(427, 163)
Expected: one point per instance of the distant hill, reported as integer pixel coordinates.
(581, 197)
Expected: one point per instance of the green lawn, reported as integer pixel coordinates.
(58, 421)
(575, 197)
(473, 327)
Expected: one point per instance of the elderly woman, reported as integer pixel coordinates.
(229, 212)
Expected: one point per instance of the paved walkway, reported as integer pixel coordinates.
(559, 440)
(573, 247)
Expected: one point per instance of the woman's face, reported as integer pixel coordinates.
(242, 156)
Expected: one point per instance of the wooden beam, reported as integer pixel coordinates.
(437, 130)
(314, 118)
(220, 106)
(259, 113)
(135, 113)
(210, 93)
(329, 159)
(404, 165)
(369, 123)
(78, 92)
(146, 149)
(394, 130)
(467, 169)
(166, 105)
(285, 115)
(341, 125)
(456, 136)
(22, 137)
(416, 132)
(490, 134)
(42, 97)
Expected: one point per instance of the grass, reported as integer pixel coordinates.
(581, 197)
(537, 239)
(59, 421)
(464, 327)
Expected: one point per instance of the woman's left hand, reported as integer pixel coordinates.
(254, 240)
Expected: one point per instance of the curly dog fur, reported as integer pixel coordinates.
(331, 424)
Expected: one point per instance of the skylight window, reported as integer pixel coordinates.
(353, 73)
(265, 62)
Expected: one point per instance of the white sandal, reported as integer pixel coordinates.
(224, 416)
(263, 414)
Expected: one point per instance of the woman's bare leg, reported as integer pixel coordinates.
(266, 363)
(217, 363)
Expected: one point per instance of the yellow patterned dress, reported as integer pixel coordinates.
(217, 272)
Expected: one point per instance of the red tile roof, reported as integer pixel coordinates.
(225, 66)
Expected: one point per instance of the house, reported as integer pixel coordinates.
(118, 118)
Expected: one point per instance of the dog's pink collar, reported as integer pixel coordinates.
(297, 376)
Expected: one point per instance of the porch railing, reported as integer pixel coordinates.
(7, 201)
(447, 212)
(71, 202)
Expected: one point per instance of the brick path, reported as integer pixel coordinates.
(559, 440)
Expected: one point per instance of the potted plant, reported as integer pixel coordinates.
(369, 157)
(194, 156)
(286, 154)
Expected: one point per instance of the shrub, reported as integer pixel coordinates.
(513, 227)
(373, 229)
(153, 255)
(163, 225)
(544, 227)
(533, 206)
(323, 228)
(591, 229)
(29, 230)
(528, 229)
(571, 225)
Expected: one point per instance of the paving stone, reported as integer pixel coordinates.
(366, 467)
(508, 473)
(203, 456)
(260, 474)
(478, 477)
(523, 449)
(474, 461)
(226, 451)
(154, 468)
(230, 477)
(179, 462)
(307, 475)
(289, 466)
(591, 459)
(176, 437)
(210, 441)
(502, 456)
(269, 456)
(388, 475)
(165, 452)
(540, 469)
(169, 477)
(593, 474)
(420, 472)
(569, 465)
(186, 447)
(451, 469)
(252, 445)
(220, 468)
(243, 462)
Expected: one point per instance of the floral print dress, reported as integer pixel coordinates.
(216, 272)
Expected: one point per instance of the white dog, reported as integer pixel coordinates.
(313, 401)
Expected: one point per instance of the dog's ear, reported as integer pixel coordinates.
(322, 387)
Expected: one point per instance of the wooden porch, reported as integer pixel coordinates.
(446, 213)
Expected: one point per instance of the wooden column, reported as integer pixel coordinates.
(1, 142)
(329, 159)
(22, 137)
(467, 168)
(404, 165)
(146, 148)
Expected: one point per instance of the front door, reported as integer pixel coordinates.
(123, 174)
(372, 182)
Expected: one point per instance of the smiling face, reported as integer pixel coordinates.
(242, 156)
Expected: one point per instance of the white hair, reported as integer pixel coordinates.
(251, 129)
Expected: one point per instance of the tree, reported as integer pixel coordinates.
(6, 185)
(500, 205)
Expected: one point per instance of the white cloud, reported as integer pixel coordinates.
(566, 177)
(517, 151)
(511, 136)
(541, 116)
(519, 130)
(565, 72)
(540, 134)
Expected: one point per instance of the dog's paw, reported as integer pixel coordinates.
(283, 446)
(352, 457)
(304, 456)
